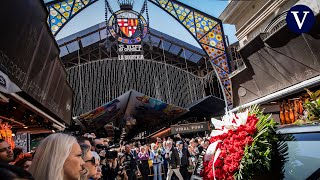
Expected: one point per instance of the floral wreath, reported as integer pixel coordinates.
(242, 146)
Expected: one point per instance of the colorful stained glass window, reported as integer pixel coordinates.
(61, 12)
(208, 32)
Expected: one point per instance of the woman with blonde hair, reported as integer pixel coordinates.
(156, 158)
(58, 157)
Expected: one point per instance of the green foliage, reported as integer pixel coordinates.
(257, 157)
(313, 106)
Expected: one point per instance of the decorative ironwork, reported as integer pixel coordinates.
(208, 31)
(276, 24)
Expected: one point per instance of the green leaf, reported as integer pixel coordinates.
(317, 93)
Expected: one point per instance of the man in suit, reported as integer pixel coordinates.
(184, 156)
(173, 158)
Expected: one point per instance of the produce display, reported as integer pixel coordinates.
(304, 109)
(291, 111)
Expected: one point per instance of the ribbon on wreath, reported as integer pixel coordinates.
(230, 121)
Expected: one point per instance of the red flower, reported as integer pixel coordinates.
(218, 172)
(223, 153)
(242, 134)
(232, 150)
(218, 163)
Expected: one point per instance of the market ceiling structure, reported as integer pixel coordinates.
(207, 30)
(103, 76)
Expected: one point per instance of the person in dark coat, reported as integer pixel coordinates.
(174, 160)
(184, 157)
(130, 164)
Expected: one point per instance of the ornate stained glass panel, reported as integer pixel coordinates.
(203, 24)
(61, 12)
(208, 32)
(214, 38)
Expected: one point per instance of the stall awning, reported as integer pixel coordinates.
(206, 107)
(161, 134)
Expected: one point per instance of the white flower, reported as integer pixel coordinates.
(211, 151)
(229, 121)
(242, 118)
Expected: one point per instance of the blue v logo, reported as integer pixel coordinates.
(300, 19)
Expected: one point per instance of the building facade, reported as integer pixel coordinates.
(278, 62)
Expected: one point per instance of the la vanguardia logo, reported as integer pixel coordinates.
(300, 19)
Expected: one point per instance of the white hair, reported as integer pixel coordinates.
(142, 147)
(96, 155)
(153, 145)
(50, 157)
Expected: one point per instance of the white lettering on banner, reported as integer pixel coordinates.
(130, 57)
(185, 128)
(130, 48)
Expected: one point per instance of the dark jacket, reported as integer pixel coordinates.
(174, 159)
(199, 150)
(130, 163)
(185, 157)
(109, 173)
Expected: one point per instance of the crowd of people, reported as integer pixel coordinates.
(64, 157)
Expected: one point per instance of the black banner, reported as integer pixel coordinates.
(189, 128)
(29, 56)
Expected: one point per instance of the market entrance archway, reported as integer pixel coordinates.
(207, 31)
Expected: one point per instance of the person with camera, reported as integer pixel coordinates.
(97, 145)
(108, 155)
(110, 167)
(122, 174)
(173, 158)
(196, 146)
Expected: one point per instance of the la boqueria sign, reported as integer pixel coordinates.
(189, 128)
